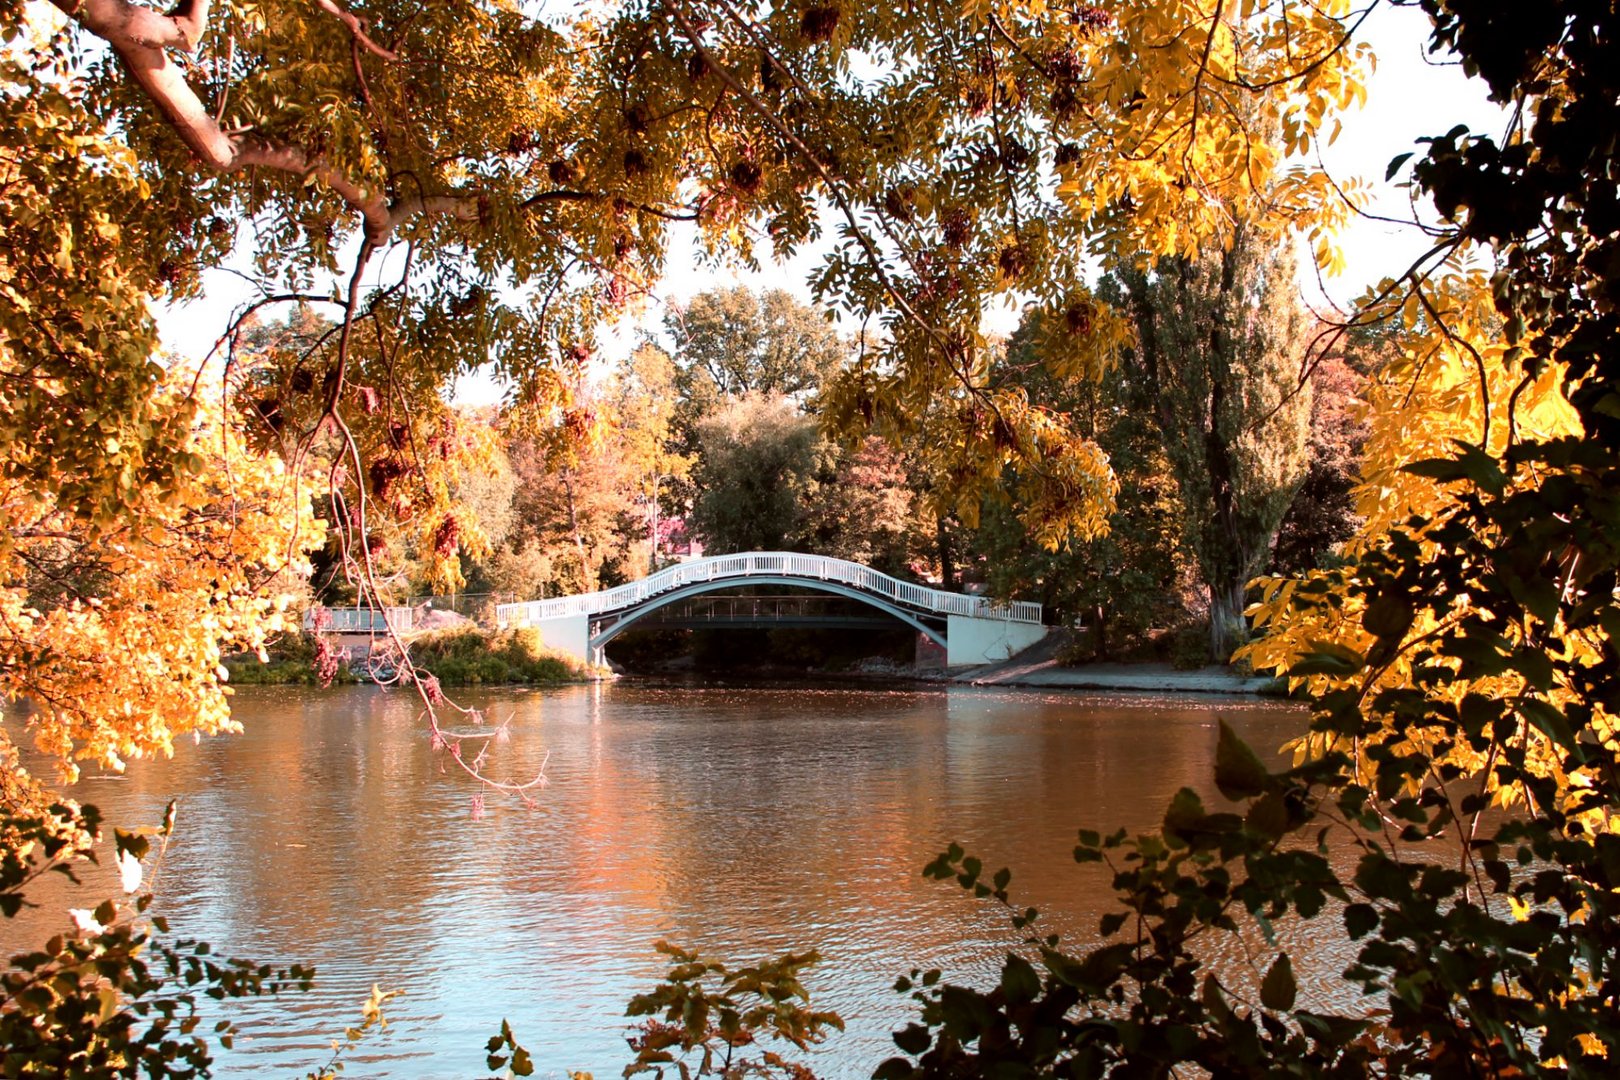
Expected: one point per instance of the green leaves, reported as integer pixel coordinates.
(706, 1009)
(118, 990)
(1239, 773)
(1278, 989)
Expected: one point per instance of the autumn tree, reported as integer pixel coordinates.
(1323, 515)
(649, 408)
(1119, 584)
(581, 507)
(1220, 341)
(863, 508)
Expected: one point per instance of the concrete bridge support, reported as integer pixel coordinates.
(971, 641)
(569, 634)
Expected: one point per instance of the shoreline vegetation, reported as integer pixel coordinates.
(464, 655)
(469, 655)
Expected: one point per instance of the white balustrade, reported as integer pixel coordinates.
(757, 563)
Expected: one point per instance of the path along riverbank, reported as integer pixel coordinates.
(1038, 666)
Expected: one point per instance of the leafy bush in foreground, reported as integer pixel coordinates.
(118, 997)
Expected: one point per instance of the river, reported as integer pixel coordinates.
(743, 822)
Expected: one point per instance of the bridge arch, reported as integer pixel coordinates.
(631, 616)
(973, 629)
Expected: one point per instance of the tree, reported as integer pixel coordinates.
(1121, 583)
(756, 475)
(862, 509)
(731, 342)
(648, 407)
(115, 628)
(1219, 344)
(581, 510)
(1323, 515)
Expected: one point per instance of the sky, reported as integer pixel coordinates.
(1408, 98)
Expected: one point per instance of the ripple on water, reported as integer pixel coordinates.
(743, 822)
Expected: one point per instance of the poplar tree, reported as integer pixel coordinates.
(1216, 361)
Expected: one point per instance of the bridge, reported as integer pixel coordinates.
(971, 629)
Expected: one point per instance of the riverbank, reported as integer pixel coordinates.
(459, 656)
(1040, 666)
(1146, 678)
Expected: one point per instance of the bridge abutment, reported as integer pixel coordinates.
(971, 641)
(569, 634)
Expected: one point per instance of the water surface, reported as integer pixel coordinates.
(741, 822)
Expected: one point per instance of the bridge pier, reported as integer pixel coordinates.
(971, 641)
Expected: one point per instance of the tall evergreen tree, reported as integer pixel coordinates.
(1216, 364)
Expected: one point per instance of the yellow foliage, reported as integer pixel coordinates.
(114, 635)
(1455, 380)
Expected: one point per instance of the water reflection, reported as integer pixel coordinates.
(743, 822)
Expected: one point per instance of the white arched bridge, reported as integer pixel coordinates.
(971, 629)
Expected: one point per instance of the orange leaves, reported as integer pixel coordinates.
(124, 655)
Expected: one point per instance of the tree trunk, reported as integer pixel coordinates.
(1227, 627)
(947, 571)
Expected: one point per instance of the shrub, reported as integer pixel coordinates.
(1189, 647)
(291, 663)
(472, 656)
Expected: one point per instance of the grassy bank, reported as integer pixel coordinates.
(472, 656)
(462, 656)
(291, 663)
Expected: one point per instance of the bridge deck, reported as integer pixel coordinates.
(784, 566)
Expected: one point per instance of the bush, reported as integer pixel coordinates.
(1189, 647)
(291, 663)
(472, 656)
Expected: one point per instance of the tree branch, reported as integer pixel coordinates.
(140, 37)
(358, 28)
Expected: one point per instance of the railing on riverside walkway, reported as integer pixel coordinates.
(349, 620)
(781, 564)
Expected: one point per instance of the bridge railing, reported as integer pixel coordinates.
(764, 563)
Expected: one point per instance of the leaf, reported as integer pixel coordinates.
(1019, 981)
(1239, 773)
(1395, 165)
(913, 1039)
(1550, 722)
(1277, 989)
(1328, 658)
(1185, 813)
(1389, 617)
(1360, 920)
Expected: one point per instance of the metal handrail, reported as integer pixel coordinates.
(358, 620)
(759, 563)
